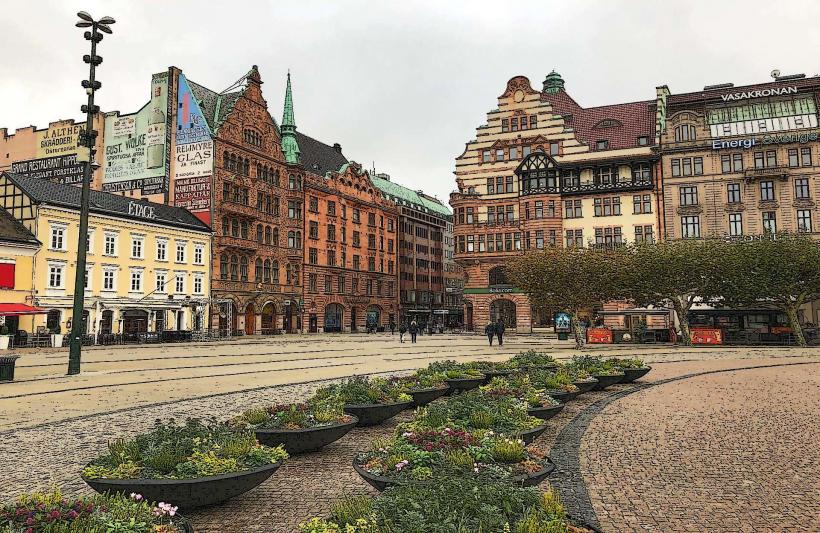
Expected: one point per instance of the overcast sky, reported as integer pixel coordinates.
(405, 83)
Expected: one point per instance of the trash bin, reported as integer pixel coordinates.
(563, 336)
(7, 367)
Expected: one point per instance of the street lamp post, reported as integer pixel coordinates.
(87, 139)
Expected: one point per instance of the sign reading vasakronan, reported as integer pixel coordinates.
(761, 93)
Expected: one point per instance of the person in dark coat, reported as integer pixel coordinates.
(489, 331)
(392, 327)
(499, 330)
(414, 330)
(402, 331)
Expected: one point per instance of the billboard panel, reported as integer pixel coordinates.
(194, 150)
(135, 154)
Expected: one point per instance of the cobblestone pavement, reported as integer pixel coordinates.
(653, 431)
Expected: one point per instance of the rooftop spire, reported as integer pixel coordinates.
(289, 145)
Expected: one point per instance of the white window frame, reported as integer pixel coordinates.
(114, 241)
(179, 280)
(199, 279)
(63, 232)
(141, 240)
(89, 279)
(90, 240)
(184, 245)
(160, 275)
(162, 244)
(113, 274)
(52, 265)
(199, 253)
(141, 288)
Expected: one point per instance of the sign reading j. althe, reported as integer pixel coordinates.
(58, 140)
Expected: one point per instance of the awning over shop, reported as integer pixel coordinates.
(20, 309)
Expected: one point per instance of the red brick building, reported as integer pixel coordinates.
(350, 248)
(256, 214)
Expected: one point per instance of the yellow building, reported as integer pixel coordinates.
(17, 249)
(148, 264)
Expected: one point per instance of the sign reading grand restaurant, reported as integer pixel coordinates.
(59, 169)
(134, 155)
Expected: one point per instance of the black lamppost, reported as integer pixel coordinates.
(87, 139)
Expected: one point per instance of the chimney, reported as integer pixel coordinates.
(337, 147)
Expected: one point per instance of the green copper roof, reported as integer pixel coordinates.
(553, 83)
(404, 196)
(289, 145)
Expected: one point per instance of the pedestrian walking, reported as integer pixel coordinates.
(402, 331)
(414, 330)
(499, 330)
(489, 331)
(392, 327)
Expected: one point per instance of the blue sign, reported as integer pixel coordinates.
(563, 322)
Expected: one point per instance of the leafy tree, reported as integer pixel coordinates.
(677, 273)
(569, 279)
(780, 272)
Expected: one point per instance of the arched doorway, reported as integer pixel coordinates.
(134, 321)
(53, 319)
(250, 320)
(106, 322)
(374, 315)
(234, 319)
(334, 313)
(268, 319)
(505, 310)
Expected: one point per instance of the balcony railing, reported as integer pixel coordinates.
(779, 172)
(616, 186)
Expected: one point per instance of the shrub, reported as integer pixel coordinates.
(350, 509)
(361, 390)
(531, 358)
(508, 450)
(194, 449)
(626, 363)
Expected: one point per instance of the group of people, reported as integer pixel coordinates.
(495, 330)
(413, 329)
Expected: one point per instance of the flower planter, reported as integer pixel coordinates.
(380, 483)
(372, 414)
(548, 366)
(531, 434)
(545, 413)
(463, 384)
(562, 395)
(605, 381)
(631, 374)
(304, 440)
(490, 374)
(424, 396)
(585, 385)
(189, 493)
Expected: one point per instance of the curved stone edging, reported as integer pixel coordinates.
(568, 479)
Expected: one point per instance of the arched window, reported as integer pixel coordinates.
(257, 273)
(267, 271)
(243, 229)
(291, 239)
(223, 266)
(232, 164)
(292, 183)
(234, 267)
(298, 240)
(685, 132)
(275, 272)
(259, 233)
(275, 240)
(246, 169)
(288, 274)
(268, 238)
(497, 276)
(243, 268)
(226, 222)
(234, 227)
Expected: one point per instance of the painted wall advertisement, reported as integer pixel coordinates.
(55, 155)
(58, 140)
(135, 145)
(194, 153)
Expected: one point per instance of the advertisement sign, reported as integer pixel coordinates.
(58, 140)
(194, 194)
(134, 158)
(706, 336)
(599, 336)
(194, 150)
(563, 322)
(59, 169)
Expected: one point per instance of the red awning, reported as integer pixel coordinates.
(20, 309)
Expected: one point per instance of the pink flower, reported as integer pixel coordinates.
(136, 497)
(73, 514)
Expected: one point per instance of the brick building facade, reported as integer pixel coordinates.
(350, 253)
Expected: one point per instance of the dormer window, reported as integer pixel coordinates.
(602, 144)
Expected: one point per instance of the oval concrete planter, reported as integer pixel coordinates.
(631, 374)
(372, 414)
(532, 434)
(189, 493)
(304, 440)
(422, 397)
(463, 384)
(605, 381)
(545, 413)
(561, 395)
(585, 385)
(380, 483)
(490, 374)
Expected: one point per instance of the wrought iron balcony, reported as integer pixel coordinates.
(615, 186)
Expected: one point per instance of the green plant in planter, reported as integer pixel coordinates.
(454, 370)
(192, 450)
(626, 363)
(361, 390)
(508, 450)
(594, 365)
(350, 509)
(560, 380)
(532, 358)
(423, 379)
(481, 419)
